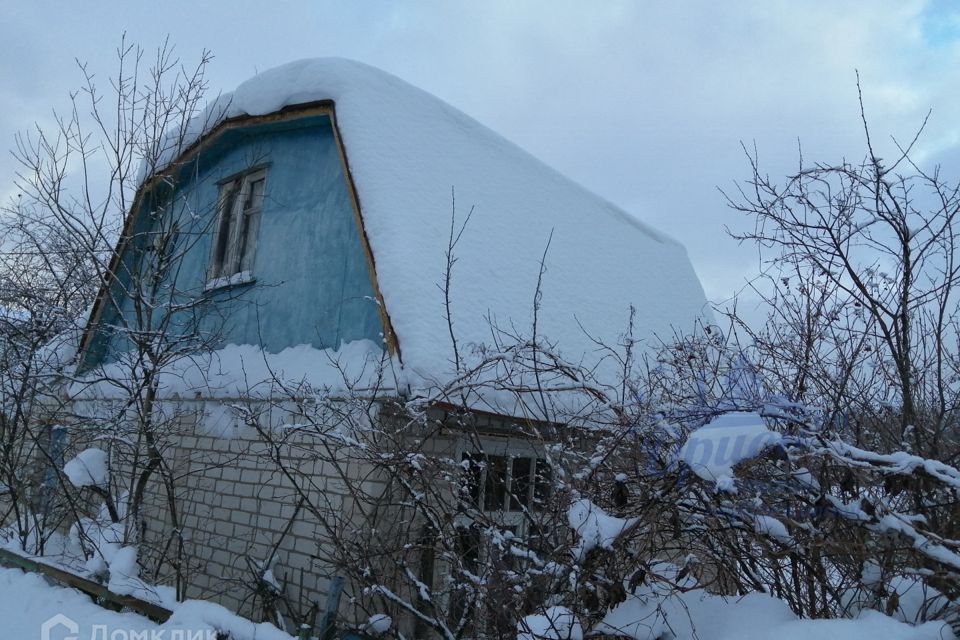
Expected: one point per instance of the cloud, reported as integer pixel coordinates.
(645, 103)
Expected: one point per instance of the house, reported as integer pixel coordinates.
(329, 223)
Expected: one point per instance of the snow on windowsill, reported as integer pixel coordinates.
(241, 277)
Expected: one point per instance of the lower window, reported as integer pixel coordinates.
(507, 483)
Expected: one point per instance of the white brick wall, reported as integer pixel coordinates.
(235, 504)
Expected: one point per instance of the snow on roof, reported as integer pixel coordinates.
(406, 151)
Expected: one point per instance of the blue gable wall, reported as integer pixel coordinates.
(312, 284)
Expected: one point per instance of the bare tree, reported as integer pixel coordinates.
(860, 348)
(105, 213)
(863, 270)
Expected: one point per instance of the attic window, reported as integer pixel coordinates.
(234, 242)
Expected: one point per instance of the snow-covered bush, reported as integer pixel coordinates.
(88, 468)
(640, 509)
(555, 623)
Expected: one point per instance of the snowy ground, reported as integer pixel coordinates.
(702, 616)
(27, 602)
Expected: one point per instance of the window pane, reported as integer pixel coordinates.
(468, 542)
(471, 483)
(220, 250)
(542, 484)
(468, 547)
(520, 481)
(244, 245)
(247, 219)
(495, 488)
(254, 199)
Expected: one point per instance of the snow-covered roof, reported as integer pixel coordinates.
(406, 151)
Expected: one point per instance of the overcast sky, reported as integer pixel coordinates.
(644, 102)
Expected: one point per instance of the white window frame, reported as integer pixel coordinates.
(235, 235)
(505, 516)
(508, 513)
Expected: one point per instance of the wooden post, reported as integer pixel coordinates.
(95, 590)
(328, 623)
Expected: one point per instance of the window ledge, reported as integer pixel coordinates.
(237, 279)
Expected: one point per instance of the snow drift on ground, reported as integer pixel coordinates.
(698, 614)
(27, 601)
(407, 151)
(555, 623)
